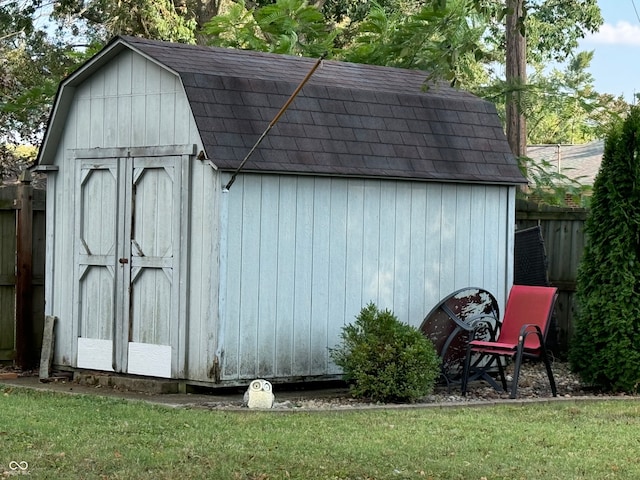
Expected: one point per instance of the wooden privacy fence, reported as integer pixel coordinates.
(22, 258)
(563, 233)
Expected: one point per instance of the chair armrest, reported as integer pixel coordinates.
(528, 329)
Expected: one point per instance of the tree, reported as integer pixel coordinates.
(32, 63)
(563, 106)
(460, 41)
(516, 77)
(287, 26)
(14, 159)
(157, 19)
(32, 68)
(604, 348)
(354, 12)
(447, 43)
(543, 30)
(554, 27)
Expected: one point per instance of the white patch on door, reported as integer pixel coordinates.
(149, 359)
(95, 354)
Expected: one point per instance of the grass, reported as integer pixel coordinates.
(90, 437)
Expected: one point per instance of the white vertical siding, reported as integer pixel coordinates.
(285, 268)
(202, 301)
(354, 249)
(401, 253)
(384, 270)
(249, 253)
(320, 282)
(303, 289)
(418, 256)
(434, 270)
(268, 278)
(305, 254)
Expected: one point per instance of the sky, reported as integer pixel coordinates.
(616, 61)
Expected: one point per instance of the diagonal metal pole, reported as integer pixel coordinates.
(275, 120)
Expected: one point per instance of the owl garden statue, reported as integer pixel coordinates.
(259, 394)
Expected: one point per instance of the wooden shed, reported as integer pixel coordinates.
(367, 189)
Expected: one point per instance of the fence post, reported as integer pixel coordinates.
(24, 272)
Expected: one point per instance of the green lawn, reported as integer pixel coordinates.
(69, 436)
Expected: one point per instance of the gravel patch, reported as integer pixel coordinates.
(533, 386)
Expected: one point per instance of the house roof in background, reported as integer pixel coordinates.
(579, 162)
(348, 120)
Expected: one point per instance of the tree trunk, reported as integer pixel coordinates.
(516, 76)
(204, 11)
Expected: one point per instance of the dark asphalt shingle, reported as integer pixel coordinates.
(349, 119)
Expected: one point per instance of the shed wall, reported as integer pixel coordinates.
(132, 102)
(303, 255)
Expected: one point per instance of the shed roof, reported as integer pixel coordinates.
(348, 120)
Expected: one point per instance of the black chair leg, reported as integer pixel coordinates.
(503, 378)
(547, 365)
(465, 372)
(516, 372)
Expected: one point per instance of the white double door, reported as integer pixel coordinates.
(126, 288)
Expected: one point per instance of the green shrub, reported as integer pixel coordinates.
(386, 360)
(605, 346)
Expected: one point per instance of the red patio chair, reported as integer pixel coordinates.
(522, 335)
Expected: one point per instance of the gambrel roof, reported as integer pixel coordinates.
(348, 120)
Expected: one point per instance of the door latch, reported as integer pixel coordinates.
(123, 260)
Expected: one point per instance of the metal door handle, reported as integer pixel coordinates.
(123, 260)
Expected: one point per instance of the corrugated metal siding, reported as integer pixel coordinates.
(305, 254)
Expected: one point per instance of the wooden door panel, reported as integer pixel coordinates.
(152, 232)
(96, 227)
(99, 190)
(151, 307)
(153, 301)
(96, 302)
(128, 226)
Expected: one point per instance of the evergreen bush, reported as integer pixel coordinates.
(605, 347)
(386, 360)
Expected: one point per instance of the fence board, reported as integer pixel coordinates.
(7, 273)
(37, 279)
(24, 267)
(564, 238)
(9, 205)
